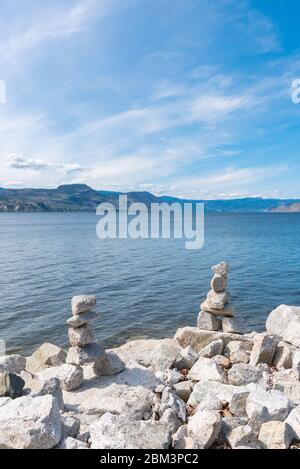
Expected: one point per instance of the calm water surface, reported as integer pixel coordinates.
(145, 288)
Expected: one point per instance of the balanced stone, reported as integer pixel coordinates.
(217, 300)
(227, 311)
(83, 303)
(208, 321)
(87, 354)
(221, 269)
(81, 336)
(81, 319)
(218, 283)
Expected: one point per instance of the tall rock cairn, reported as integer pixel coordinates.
(83, 348)
(215, 312)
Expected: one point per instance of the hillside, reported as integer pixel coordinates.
(82, 198)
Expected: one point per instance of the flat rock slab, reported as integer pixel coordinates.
(159, 354)
(121, 432)
(198, 338)
(128, 393)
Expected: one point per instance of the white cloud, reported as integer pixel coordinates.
(51, 24)
(20, 162)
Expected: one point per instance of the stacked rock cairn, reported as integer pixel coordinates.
(215, 312)
(84, 350)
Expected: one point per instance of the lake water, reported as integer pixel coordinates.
(145, 288)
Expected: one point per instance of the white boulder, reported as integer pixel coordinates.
(275, 435)
(30, 423)
(204, 427)
(206, 369)
(284, 322)
(263, 406)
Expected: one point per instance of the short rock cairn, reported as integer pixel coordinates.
(216, 313)
(84, 350)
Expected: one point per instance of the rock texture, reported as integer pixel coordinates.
(205, 388)
(284, 322)
(30, 423)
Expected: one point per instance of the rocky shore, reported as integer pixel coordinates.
(215, 385)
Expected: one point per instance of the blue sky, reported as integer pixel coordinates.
(182, 97)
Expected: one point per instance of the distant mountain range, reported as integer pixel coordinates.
(82, 198)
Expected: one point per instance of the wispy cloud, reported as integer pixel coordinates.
(51, 24)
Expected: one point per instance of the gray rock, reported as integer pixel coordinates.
(275, 435)
(46, 355)
(43, 387)
(283, 356)
(242, 436)
(210, 403)
(236, 348)
(198, 339)
(233, 325)
(30, 423)
(222, 269)
(263, 350)
(263, 406)
(184, 390)
(122, 432)
(293, 421)
(186, 359)
(82, 319)
(240, 357)
(82, 303)
(238, 402)
(72, 443)
(69, 376)
(11, 385)
(81, 336)
(70, 426)
(206, 369)
(284, 322)
(82, 356)
(204, 427)
(217, 300)
(224, 392)
(227, 311)
(218, 283)
(181, 440)
(159, 354)
(209, 322)
(242, 374)
(169, 377)
(229, 423)
(286, 382)
(12, 363)
(212, 349)
(108, 365)
(171, 419)
(170, 400)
